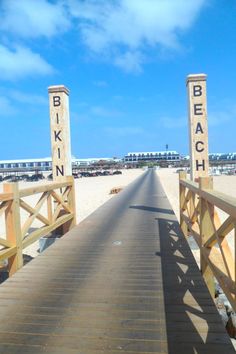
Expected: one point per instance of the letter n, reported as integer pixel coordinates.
(60, 170)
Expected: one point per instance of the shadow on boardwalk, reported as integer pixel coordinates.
(192, 321)
(152, 209)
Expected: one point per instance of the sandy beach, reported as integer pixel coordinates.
(91, 193)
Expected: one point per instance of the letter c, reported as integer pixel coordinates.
(199, 149)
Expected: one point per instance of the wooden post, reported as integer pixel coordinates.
(71, 201)
(198, 131)
(183, 225)
(63, 229)
(234, 268)
(49, 208)
(13, 227)
(206, 230)
(60, 132)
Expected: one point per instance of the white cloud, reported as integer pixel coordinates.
(22, 62)
(30, 19)
(216, 118)
(100, 83)
(124, 131)
(29, 98)
(131, 61)
(123, 29)
(117, 31)
(118, 98)
(104, 112)
(6, 108)
(173, 123)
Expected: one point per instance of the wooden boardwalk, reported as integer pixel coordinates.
(123, 281)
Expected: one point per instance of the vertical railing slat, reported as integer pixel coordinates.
(13, 227)
(183, 225)
(71, 200)
(206, 230)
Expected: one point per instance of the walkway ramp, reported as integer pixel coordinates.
(123, 281)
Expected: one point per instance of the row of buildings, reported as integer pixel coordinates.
(45, 164)
(173, 156)
(152, 156)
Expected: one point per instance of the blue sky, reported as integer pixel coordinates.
(125, 63)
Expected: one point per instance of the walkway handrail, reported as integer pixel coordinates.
(59, 201)
(199, 218)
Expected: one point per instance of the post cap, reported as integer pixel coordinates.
(196, 77)
(58, 88)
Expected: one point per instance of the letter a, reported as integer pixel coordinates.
(199, 128)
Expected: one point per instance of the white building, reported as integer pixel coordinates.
(94, 160)
(152, 156)
(41, 164)
(45, 164)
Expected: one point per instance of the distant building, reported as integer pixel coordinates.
(94, 160)
(152, 156)
(222, 156)
(230, 156)
(45, 164)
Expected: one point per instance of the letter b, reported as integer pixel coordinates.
(197, 90)
(56, 101)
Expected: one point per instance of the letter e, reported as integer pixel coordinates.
(198, 109)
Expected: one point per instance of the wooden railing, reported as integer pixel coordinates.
(55, 207)
(199, 204)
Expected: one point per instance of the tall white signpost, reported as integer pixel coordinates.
(198, 130)
(60, 132)
(198, 133)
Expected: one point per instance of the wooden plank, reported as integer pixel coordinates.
(190, 185)
(222, 231)
(182, 199)
(221, 201)
(31, 218)
(6, 196)
(72, 201)
(5, 243)
(218, 199)
(206, 230)
(42, 189)
(61, 201)
(72, 342)
(13, 227)
(31, 210)
(7, 253)
(49, 208)
(3, 206)
(35, 235)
